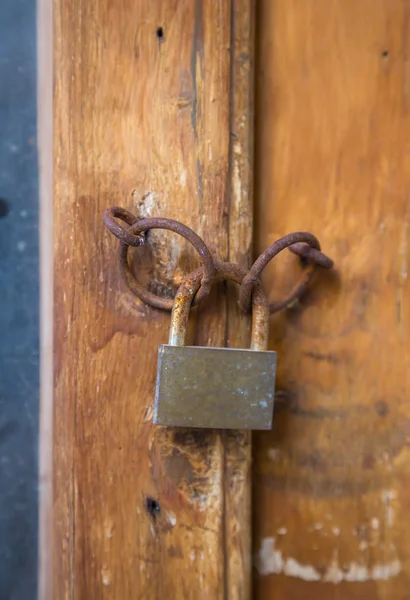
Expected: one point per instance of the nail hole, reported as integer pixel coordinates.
(4, 208)
(385, 54)
(152, 506)
(160, 33)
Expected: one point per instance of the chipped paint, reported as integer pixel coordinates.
(270, 560)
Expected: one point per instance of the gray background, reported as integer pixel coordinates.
(19, 301)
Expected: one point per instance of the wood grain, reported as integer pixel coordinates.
(145, 97)
(332, 480)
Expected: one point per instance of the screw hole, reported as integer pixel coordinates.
(4, 208)
(160, 33)
(152, 506)
(385, 54)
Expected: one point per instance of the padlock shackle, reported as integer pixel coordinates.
(186, 294)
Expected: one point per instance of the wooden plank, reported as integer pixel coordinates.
(332, 481)
(238, 444)
(143, 97)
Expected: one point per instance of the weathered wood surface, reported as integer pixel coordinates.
(332, 481)
(152, 114)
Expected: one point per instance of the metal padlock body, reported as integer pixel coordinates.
(220, 388)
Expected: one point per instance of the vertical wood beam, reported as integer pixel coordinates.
(145, 97)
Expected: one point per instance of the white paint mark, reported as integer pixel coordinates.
(21, 246)
(334, 574)
(23, 214)
(263, 403)
(386, 571)
(336, 530)
(375, 523)
(363, 546)
(270, 560)
(356, 572)
(293, 568)
(171, 518)
(382, 227)
(182, 178)
(317, 526)
(192, 556)
(105, 575)
(282, 531)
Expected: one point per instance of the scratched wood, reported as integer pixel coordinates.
(152, 106)
(332, 480)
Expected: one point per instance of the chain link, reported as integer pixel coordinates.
(132, 233)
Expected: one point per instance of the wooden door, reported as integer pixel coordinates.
(153, 111)
(332, 480)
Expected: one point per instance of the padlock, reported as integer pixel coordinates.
(220, 388)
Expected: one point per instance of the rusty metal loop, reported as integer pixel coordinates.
(148, 297)
(302, 240)
(312, 254)
(117, 212)
(223, 271)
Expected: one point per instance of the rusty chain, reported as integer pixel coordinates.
(132, 233)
